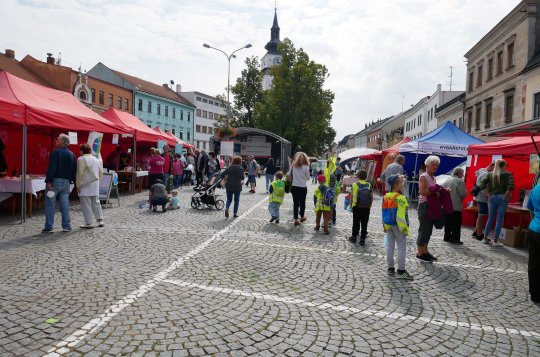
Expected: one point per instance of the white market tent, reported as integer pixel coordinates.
(355, 153)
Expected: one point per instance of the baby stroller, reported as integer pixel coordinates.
(207, 195)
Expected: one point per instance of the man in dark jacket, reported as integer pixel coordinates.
(201, 162)
(60, 174)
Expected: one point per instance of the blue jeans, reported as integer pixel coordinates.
(273, 208)
(166, 179)
(497, 205)
(230, 199)
(269, 178)
(61, 189)
(178, 180)
(315, 174)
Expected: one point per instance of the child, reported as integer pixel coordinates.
(323, 199)
(396, 226)
(337, 191)
(362, 198)
(175, 201)
(277, 192)
(158, 195)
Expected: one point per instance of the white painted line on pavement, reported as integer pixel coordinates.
(331, 251)
(342, 308)
(95, 324)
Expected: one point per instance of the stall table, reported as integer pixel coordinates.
(141, 178)
(34, 184)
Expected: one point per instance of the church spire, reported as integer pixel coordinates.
(272, 45)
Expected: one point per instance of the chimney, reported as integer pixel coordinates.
(50, 58)
(166, 85)
(439, 88)
(178, 88)
(10, 54)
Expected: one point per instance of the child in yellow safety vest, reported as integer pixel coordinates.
(277, 192)
(396, 226)
(362, 198)
(323, 198)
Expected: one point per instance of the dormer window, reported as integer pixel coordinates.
(83, 95)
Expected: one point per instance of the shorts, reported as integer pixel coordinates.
(482, 208)
(251, 178)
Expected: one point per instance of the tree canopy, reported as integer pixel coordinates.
(247, 93)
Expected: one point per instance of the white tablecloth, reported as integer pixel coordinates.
(13, 185)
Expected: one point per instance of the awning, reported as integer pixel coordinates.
(142, 132)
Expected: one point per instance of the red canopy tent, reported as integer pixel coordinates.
(178, 141)
(31, 105)
(170, 140)
(141, 132)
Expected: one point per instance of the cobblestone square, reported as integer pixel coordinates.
(191, 283)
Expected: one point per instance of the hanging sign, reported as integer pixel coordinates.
(534, 163)
(496, 157)
(115, 138)
(227, 148)
(94, 140)
(72, 137)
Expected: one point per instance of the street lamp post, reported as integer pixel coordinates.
(229, 56)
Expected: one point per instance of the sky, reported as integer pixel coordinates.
(381, 55)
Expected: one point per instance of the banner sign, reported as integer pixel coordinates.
(258, 148)
(443, 149)
(227, 148)
(534, 164)
(94, 140)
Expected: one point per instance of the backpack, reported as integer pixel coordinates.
(389, 210)
(363, 197)
(328, 198)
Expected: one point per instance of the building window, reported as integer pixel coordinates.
(198, 112)
(167, 111)
(420, 120)
(204, 130)
(101, 97)
(471, 80)
(490, 69)
(173, 131)
(149, 108)
(479, 76)
(119, 102)
(500, 58)
(216, 116)
(188, 133)
(158, 109)
(205, 114)
(204, 145)
(181, 115)
(509, 107)
(469, 120)
(93, 92)
(205, 100)
(536, 109)
(181, 134)
(82, 95)
(139, 105)
(199, 99)
(489, 110)
(126, 104)
(110, 100)
(510, 54)
(188, 118)
(174, 112)
(198, 128)
(478, 117)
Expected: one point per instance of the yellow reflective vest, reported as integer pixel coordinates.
(402, 218)
(329, 169)
(278, 191)
(318, 198)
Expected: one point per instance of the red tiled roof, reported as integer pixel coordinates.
(17, 69)
(152, 88)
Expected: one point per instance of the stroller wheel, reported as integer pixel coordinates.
(194, 203)
(219, 204)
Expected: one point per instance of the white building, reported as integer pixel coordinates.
(209, 109)
(438, 99)
(452, 111)
(272, 56)
(415, 119)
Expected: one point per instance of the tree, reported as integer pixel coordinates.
(247, 93)
(297, 107)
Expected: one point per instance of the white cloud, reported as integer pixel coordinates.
(376, 51)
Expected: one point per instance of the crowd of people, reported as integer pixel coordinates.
(439, 206)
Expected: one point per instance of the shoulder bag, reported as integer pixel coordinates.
(89, 176)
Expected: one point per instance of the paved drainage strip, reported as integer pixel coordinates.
(331, 251)
(342, 308)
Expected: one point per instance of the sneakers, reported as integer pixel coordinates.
(65, 230)
(497, 244)
(47, 230)
(326, 232)
(391, 271)
(362, 242)
(273, 219)
(432, 257)
(227, 213)
(486, 240)
(87, 226)
(277, 221)
(235, 216)
(101, 223)
(303, 219)
(352, 239)
(296, 222)
(424, 258)
(403, 274)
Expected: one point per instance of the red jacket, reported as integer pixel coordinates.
(439, 205)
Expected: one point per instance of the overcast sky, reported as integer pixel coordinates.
(377, 51)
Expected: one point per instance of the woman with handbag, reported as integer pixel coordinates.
(89, 172)
(234, 175)
(298, 177)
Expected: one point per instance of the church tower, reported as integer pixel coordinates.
(272, 56)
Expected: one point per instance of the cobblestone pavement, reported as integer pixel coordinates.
(190, 282)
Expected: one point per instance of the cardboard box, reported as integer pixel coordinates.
(512, 237)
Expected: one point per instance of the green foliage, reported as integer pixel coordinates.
(297, 107)
(247, 93)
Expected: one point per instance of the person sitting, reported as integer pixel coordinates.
(175, 201)
(158, 196)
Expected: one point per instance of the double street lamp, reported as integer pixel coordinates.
(229, 56)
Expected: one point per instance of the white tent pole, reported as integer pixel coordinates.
(23, 175)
